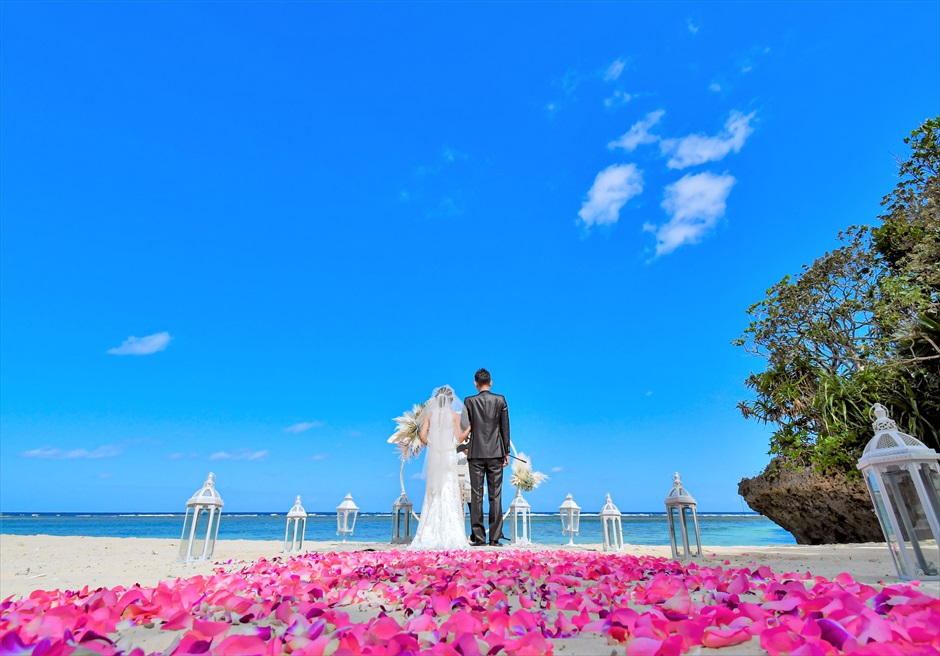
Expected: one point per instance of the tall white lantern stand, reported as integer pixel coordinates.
(679, 505)
(903, 478)
(570, 518)
(296, 528)
(520, 527)
(401, 518)
(346, 514)
(613, 529)
(201, 524)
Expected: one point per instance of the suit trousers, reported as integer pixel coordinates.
(492, 470)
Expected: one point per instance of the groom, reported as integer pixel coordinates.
(488, 417)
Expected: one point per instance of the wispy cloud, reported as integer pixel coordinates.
(179, 456)
(303, 426)
(555, 470)
(619, 98)
(142, 345)
(612, 188)
(699, 148)
(694, 204)
(53, 453)
(693, 27)
(241, 454)
(639, 133)
(319, 456)
(615, 69)
(714, 86)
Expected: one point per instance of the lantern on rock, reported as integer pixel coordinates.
(520, 527)
(402, 510)
(903, 478)
(346, 514)
(679, 505)
(613, 529)
(570, 518)
(201, 523)
(296, 528)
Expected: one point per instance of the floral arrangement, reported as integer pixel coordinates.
(408, 436)
(522, 475)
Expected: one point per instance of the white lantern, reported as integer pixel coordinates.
(613, 529)
(679, 505)
(296, 528)
(521, 523)
(570, 518)
(903, 478)
(201, 523)
(346, 514)
(402, 510)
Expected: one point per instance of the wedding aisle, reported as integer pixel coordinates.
(479, 602)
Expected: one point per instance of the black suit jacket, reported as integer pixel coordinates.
(488, 415)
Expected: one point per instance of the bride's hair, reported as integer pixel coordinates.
(445, 391)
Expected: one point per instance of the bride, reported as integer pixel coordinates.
(442, 524)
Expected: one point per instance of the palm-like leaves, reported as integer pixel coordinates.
(522, 475)
(407, 439)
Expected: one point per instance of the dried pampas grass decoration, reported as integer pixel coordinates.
(522, 475)
(407, 438)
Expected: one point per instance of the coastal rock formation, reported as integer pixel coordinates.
(816, 509)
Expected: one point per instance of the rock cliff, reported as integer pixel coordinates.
(816, 509)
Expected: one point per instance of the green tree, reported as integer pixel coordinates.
(860, 325)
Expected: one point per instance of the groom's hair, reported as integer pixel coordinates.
(482, 377)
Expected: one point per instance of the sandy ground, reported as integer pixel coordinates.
(34, 562)
(31, 562)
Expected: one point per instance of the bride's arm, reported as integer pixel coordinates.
(461, 435)
(424, 430)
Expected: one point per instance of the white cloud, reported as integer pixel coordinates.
(714, 86)
(142, 345)
(614, 70)
(612, 188)
(693, 28)
(699, 148)
(619, 98)
(319, 456)
(418, 476)
(555, 470)
(639, 133)
(53, 453)
(303, 426)
(242, 454)
(694, 204)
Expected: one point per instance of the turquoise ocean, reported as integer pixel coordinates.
(717, 529)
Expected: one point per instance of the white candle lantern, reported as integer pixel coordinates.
(570, 518)
(401, 518)
(520, 527)
(346, 514)
(613, 529)
(201, 523)
(903, 478)
(679, 506)
(296, 528)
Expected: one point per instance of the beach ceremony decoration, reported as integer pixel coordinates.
(296, 528)
(520, 520)
(903, 479)
(570, 518)
(201, 523)
(407, 439)
(679, 505)
(346, 514)
(612, 526)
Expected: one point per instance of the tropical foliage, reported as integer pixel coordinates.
(860, 324)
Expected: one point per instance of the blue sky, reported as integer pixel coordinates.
(243, 237)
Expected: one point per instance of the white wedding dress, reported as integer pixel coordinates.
(442, 525)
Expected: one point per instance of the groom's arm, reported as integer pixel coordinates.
(504, 426)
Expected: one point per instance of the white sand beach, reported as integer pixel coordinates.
(30, 562)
